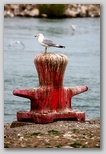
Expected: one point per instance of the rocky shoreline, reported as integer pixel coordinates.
(71, 11)
(59, 134)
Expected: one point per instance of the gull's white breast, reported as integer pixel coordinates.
(40, 40)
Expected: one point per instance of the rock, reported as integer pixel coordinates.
(19, 124)
(18, 135)
(71, 13)
(93, 11)
(67, 147)
(21, 138)
(72, 10)
(83, 12)
(22, 145)
(44, 15)
(34, 12)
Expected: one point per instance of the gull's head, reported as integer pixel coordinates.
(39, 35)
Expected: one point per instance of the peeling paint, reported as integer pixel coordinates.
(50, 100)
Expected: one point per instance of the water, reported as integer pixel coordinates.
(82, 50)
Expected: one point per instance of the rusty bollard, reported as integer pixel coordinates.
(51, 100)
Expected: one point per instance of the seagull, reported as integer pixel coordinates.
(46, 42)
(16, 42)
(73, 27)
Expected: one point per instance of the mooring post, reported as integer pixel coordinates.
(51, 100)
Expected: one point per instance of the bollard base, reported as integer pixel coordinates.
(31, 116)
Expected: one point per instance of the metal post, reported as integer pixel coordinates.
(51, 100)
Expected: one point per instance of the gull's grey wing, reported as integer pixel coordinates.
(49, 42)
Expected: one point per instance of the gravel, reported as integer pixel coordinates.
(59, 134)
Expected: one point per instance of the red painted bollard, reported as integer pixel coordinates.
(51, 100)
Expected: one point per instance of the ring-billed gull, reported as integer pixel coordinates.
(16, 42)
(46, 42)
(73, 27)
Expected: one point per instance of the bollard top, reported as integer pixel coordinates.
(51, 68)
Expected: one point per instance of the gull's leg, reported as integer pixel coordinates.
(45, 50)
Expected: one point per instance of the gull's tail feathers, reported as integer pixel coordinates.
(60, 46)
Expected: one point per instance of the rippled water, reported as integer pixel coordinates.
(82, 49)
